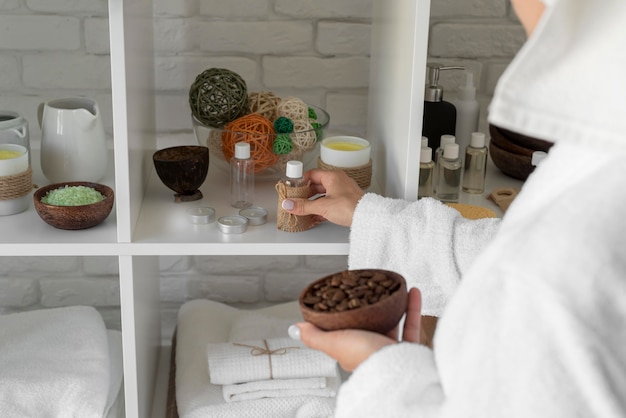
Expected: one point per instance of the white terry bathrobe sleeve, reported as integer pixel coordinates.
(428, 243)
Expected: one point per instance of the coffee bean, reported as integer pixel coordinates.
(311, 300)
(350, 289)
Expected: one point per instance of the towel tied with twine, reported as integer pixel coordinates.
(266, 359)
(265, 351)
(289, 222)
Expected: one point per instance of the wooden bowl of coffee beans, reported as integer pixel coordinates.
(368, 299)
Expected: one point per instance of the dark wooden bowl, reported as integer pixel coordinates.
(381, 316)
(523, 141)
(74, 217)
(514, 165)
(183, 169)
(512, 152)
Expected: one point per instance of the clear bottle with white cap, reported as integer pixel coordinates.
(427, 173)
(475, 164)
(293, 185)
(445, 139)
(241, 177)
(449, 170)
(293, 174)
(467, 113)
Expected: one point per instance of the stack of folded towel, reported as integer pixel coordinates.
(271, 368)
(59, 362)
(236, 363)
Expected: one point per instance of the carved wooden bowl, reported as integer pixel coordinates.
(183, 169)
(378, 316)
(74, 217)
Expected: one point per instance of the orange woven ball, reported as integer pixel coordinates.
(256, 130)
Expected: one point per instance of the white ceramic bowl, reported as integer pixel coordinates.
(345, 151)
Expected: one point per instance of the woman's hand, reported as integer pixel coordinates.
(351, 347)
(337, 206)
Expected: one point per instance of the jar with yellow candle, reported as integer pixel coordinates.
(15, 179)
(14, 129)
(350, 154)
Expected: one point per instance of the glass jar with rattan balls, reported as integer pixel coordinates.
(274, 138)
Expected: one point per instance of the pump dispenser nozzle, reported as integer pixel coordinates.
(434, 92)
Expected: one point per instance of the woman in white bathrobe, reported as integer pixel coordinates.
(535, 327)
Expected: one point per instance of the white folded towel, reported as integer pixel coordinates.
(116, 388)
(54, 363)
(201, 322)
(279, 388)
(275, 358)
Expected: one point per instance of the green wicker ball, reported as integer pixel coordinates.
(282, 144)
(283, 125)
(218, 96)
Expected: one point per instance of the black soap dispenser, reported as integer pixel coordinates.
(439, 116)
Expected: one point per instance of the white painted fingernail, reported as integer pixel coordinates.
(294, 332)
(287, 204)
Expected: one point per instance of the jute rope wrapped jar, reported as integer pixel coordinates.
(16, 185)
(362, 174)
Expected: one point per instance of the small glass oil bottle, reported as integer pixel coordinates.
(449, 171)
(475, 165)
(445, 139)
(427, 173)
(293, 174)
(241, 177)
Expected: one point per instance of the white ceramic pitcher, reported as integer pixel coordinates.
(73, 142)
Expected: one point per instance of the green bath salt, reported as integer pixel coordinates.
(72, 196)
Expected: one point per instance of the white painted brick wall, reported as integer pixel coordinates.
(318, 51)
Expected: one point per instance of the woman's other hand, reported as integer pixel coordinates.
(341, 195)
(351, 347)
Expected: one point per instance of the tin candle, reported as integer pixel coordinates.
(256, 215)
(201, 215)
(233, 224)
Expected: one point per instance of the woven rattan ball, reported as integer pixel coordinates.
(282, 144)
(304, 135)
(218, 96)
(293, 108)
(255, 130)
(283, 125)
(264, 103)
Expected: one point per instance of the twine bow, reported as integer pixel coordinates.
(265, 351)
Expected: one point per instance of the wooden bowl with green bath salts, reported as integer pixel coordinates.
(74, 205)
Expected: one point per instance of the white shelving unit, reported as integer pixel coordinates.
(146, 222)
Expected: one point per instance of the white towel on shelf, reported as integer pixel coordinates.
(201, 322)
(274, 358)
(116, 368)
(54, 360)
(278, 388)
